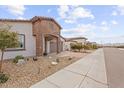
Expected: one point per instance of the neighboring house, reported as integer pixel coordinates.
(73, 40)
(91, 43)
(37, 36)
(94, 43)
(62, 43)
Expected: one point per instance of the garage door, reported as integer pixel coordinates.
(53, 47)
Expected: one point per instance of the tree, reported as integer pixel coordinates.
(8, 39)
(94, 46)
(79, 46)
(75, 46)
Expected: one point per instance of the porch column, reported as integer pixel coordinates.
(45, 45)
(39, 45)
(58, 45)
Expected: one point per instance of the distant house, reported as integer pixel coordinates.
(73, 40)
(37, 36)
(91, 43)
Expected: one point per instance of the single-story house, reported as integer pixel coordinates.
(37, 36)
(91, 43)
(73, 40)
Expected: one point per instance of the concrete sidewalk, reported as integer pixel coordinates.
(89, 72)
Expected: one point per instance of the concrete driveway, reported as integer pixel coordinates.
(89, 72)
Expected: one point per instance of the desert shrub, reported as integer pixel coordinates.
(94, 46)
(86, 47)
(3, 78)
(90, 46)
(79, 46)
(119, 46)
(17, 58)
(73, 46)
(76, 46)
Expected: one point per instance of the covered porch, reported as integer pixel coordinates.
(51, 44)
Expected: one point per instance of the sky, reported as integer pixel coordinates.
(98, 23)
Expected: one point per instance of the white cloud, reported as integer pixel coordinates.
(104, 23)
(49, 10)
(114, 13)
(104, 28)
(94, 22)
(16, 9)
(120, 10)
(109, 39)
(87, 30)
(20, 18)
(80, 12)
(114, 22)
(72, 13)
(80, 30)
(62, 10)
(69, 21)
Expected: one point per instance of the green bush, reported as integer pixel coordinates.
(94, 46)
(86, 47)
(3, 78)
(90, 46)
(17, 58)
(79, 46)
(76, 46)
(73, 47)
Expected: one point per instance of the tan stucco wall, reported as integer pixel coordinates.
(83, 41)
(66, 45)
(30, 44)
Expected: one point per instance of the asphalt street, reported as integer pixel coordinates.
(114, 61)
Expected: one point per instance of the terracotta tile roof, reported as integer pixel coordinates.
(15, 20)
(63, 37)
(44, 18)
(31, 20)
(74, 38)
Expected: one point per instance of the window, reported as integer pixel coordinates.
(21, 39)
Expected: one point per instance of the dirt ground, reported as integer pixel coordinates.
(30, 72)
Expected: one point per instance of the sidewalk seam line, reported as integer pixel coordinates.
(74, 72)
(97, 80)
(52, 83)
(85, 76)
(81, 82)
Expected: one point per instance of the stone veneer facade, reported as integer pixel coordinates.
(45, 30)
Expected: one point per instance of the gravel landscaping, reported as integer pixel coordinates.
(26, 74)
